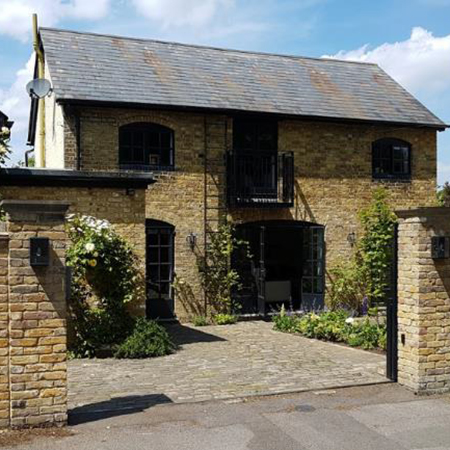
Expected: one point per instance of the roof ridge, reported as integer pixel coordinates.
(211, 47)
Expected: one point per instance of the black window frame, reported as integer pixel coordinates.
(383, 154)
(146, 132)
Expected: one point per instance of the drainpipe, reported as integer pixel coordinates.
(27, 157)
(78, 137)
(41, 107)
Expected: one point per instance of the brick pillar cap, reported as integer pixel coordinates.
(423, 212)
(26, 209)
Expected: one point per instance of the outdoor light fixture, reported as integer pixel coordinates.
(351, 238)
(191, 239)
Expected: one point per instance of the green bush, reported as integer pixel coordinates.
(285, 322)
(148, 340)
(225, 319)
(334, 326)
(200, 321)
(365, 277)
(105, 278)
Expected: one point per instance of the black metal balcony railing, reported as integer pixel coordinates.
(260, 179)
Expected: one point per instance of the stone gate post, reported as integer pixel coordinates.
(33, 369)
(423, 302)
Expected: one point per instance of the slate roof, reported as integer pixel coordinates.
(101, 68)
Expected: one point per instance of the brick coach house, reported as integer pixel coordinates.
(167, 140)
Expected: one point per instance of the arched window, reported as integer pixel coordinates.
(146, 146)
(391, 159)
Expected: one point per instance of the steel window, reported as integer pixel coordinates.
(391, 158)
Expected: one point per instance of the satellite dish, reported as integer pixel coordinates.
(39, 88)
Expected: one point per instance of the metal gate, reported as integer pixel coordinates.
(391, 314)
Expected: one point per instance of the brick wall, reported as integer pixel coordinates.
(423, 302)
(333, 175)
(125, 212)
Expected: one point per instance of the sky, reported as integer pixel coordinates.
(409, 39)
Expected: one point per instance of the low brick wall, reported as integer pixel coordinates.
(423, 302)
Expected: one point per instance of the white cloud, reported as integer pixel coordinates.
(181, 12)
(15, 16)
(421, 63)
(15, 103)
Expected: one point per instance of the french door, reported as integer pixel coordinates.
(160, 264)
(313, 276)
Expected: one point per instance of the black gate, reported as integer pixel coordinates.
(391, 315)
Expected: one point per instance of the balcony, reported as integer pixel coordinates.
(259, 180)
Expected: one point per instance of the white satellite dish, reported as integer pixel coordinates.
(39, 88)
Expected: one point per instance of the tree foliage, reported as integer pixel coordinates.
(4, 144)
(443, 194)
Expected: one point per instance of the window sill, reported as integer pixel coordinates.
(391, 180)
(145, 168)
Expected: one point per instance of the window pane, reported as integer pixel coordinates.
(165, 140)
(153, 140)
(307, 285)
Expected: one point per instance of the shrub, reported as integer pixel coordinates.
(335, 326)
(105, 277)
(375, 246)
(348, 286)
(225, 319)
(285, 322)
(219, 279)
(200, 321)
(148, 340)
(363, 280)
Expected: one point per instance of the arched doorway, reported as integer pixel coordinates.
(160, 266)
(287, 266)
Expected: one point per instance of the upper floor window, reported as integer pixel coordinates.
(255, 135)
(391, 158)
(146, 146)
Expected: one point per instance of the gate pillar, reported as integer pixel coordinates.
(423, 301)
(33, 368)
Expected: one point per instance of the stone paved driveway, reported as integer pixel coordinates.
(218, 362)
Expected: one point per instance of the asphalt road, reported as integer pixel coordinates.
(385, 417)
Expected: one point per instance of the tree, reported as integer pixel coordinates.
(4, 144)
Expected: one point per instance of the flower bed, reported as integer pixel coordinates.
(336, 326)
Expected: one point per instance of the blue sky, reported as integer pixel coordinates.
(409, 39)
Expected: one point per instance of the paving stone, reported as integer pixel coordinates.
(220, 362)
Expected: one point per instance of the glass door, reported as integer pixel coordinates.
(313, 273)
(160, 262)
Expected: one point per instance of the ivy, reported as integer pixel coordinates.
(105, 277)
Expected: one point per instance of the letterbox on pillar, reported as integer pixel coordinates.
(39, 251)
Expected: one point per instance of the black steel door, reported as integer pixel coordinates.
(262, 272)
(313, 273)
(391, 316)
(160, 258)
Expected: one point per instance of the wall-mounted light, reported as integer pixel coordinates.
(130, 191)
(191, 239)
(351, 238)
